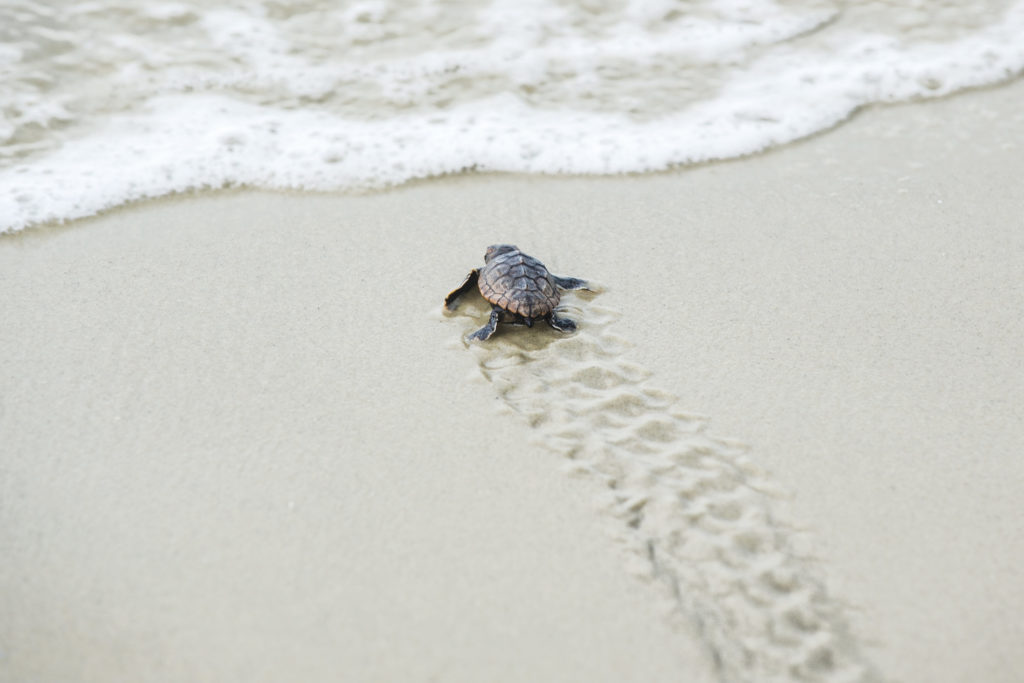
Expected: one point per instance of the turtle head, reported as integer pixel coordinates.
(497, 250)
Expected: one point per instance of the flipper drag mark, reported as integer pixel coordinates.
(693, 511)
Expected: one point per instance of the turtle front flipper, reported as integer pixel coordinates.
(561, 324)
(485, 332)
(571, 283)
(469, 284)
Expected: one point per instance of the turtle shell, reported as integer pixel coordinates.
(520, 284)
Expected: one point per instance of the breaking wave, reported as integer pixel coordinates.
(110, 101)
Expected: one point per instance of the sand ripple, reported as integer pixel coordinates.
(694, 512)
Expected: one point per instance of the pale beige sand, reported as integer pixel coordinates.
(237, 447)
(241, 443)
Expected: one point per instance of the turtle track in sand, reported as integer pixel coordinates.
(692, 511)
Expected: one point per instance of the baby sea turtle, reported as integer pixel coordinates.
(520, 289)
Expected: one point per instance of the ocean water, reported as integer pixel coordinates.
(109, 101)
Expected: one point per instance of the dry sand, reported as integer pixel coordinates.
(240, 443)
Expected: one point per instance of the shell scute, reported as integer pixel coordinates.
(519, 284)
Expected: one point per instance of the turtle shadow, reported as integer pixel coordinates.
(519, 338)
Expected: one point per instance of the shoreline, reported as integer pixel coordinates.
(683, 167)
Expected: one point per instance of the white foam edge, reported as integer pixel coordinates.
(182, 142)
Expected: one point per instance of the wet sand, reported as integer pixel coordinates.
(242, 442)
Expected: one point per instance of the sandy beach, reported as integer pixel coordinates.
(242, 443)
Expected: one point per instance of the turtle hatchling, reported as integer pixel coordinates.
(519, 288)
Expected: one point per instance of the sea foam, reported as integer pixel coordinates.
(108, 102)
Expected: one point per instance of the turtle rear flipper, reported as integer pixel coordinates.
(469, 283)
(571, 283)
(561, 324)
(485, 332)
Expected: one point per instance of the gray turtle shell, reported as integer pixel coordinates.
(520, 284)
